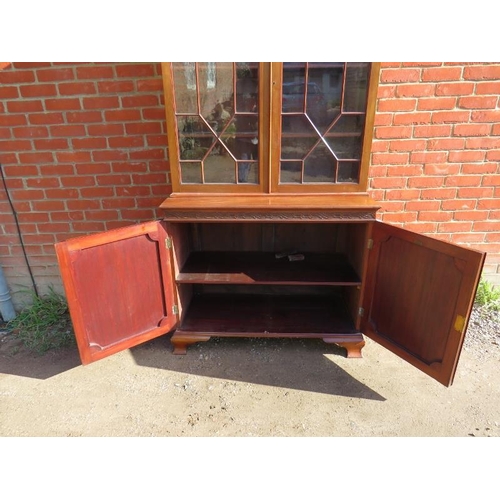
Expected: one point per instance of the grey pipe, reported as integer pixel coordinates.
(6, 306)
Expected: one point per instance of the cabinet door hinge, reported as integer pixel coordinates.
(168, 242)
(460, 324)
(361, 312)
(370, 244)
(175, 310)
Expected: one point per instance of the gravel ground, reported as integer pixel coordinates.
(483, 332)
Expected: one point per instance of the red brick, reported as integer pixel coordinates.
(420, 64)
(16, 146)
(470, 215)
(450, 116)
(27, 194)
(8, 158)
(402, 194)
(161, 140)
(67, 130)
(409, 145)
(454, 88)
(84, 117)
(399, 75)
(129, 166)
(454, 227)
(88, 227)
(465, 156)
(445, 144)
(110, 102)
(485, 116)
(432, 130)
(463, 180)
(109, 155)
(475, 192)
(107, 129)
(412, 90)
(24, 106)
(57, 169)
(106, 180)
(415, 118)
(421, 227)
(62, 104)
(30, 65)
(164, 166)
(98, 192)
(12, 120)
(66, 216)
(147, 154)
(43, 182)
(425, 182)
(428, 157)
(78, 181)
(377, 183)
(54, 227)
(93, 168)
(441, 74)
(420, 205)
(137, 101)
(62, 193)
(15, 76)
(381, 119)
(118, 203)
(393, 132)
(487, 226)
(5, 133)
(133, 191)
(48, 206)
(115, 86)
(492, 237)
(133, 141)
(485, 88)
(30, 132)
(392, 206)
(475, 102)
(490, 72)
(479, 168)
(493, 155)
(438, 194)
(434, 216)
(38, 90)
(396, 105)
(143, 128)
(50, 144)
(483, 143)
(76, 88)
(36, 157)
(55, 75)
(119, 115)
(85, 204)
(94, 72)
(46, 118)
(459, 204)
(135, 70)
(73, 156)
(400, 217)
(435, 103)
(490, 180)
(8, 92)
(138, 214)
(103, 215)
(150, 85)
(496, 129)
(89, 143)
(467, 129)
(21, 170)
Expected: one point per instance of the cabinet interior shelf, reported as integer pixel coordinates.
(264, 268)
(267, 315)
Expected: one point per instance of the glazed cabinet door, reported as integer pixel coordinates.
(418, 297)
(119, 288)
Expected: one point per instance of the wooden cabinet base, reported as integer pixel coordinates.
(353, 343)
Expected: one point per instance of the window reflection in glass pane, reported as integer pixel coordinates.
(220, 169)
(185, 87)
(191, 173)
(241, 137)
(290, 172)
(348, 171)
(356, 87)
(298, 137)
(195, 138)
(216, 92)
(247, 87)
(248, 172)
(320, 165)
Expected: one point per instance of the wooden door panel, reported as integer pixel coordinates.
(418, 298)
(119, 288)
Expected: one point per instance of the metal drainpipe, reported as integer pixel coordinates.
(6, 306)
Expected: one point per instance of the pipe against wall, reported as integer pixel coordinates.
(6, 306)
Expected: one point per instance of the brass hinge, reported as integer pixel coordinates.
(361, 312)
(370, 244)
(459, 324)
(175, 310)
(168, 242)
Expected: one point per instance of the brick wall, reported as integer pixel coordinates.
(83, 147)
(436, 153)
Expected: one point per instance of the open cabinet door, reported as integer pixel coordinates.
(418, 297)
(119, 288)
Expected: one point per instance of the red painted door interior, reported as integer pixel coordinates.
(119, 288)
(418, 297)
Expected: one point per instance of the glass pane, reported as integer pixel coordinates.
(191, 173)
(348, 171)
(241, 137)
(291, 172)
(320, 165)
(348, 148)
(248, 172)
(356, 87)
(298, 137)
(247, 87)
(293, 99)
(216, 92)
(220, 169)
(195, 138)
(185, 87)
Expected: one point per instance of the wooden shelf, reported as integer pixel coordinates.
(264, 268)
(267, 315)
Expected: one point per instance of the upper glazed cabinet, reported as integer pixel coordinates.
(241, 128)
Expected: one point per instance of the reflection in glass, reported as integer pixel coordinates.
(195, 138)
(356, 86)
(185, 88)
(248, 172)
(220, 169)
(348, 171)
(345, 147)
(320, 165)
(191, 173)
(291, 172)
